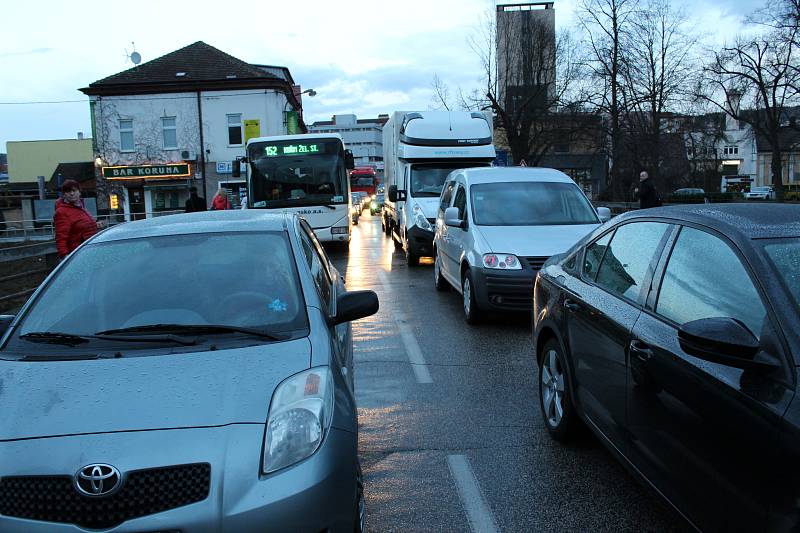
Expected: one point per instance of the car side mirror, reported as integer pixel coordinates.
(5, 321)
(396, 195)
(604, 214)
(451, 218)
(723, 341)
(349, 161)
(353, 305)
(236, 168)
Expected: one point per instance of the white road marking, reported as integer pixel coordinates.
(478, 512)
(418, 363)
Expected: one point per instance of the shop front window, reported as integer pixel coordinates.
(165, 200)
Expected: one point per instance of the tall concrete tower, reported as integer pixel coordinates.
(526, 54)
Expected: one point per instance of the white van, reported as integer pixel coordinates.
(497, 226)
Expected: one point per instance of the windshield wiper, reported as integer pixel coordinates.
(53, 337)
(69, 339)
(331, 207)
(194, 328)
(70, 357)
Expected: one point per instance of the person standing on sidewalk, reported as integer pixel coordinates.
(195, 202)
(221, 201)
(73, 223)
(647, 193)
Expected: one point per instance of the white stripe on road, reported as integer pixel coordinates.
(415, 355)
(478, 512)
(418, 364)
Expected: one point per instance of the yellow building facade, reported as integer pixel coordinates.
(29, 159)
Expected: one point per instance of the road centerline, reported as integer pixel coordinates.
(469, 490)
(413, 351)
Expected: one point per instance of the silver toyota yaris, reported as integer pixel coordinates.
(190, 373)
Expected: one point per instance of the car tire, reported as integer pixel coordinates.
(439, 282)
(360, 507)
(472, 312)
(555, 398)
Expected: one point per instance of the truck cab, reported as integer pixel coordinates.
(420, 151)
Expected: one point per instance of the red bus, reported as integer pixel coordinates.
(364, 179)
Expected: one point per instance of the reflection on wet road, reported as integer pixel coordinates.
(451, 437)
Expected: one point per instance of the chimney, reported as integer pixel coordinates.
(734, 97)
(80, 135)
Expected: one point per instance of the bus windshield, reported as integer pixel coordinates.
(299, 172)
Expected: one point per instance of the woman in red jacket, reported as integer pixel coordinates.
(221, 201)
(73, 223)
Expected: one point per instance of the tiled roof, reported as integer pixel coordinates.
(197, 62)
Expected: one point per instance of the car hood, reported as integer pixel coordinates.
(533, 241)
(201, 389)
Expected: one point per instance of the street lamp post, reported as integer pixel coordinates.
(309, 92)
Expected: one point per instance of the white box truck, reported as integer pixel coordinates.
(420, 149)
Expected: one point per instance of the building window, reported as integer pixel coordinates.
(126, 135)
(731, 150)
(170, 133)
(235, 129)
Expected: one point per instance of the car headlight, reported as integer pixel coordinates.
(420, 220)
(501, 262)
(299, 415)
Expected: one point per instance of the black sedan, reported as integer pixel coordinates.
(673, 334)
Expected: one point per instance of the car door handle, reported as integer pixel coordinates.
(641, 350)
(572, 306)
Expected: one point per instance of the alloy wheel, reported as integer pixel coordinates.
(552, 388)
(467, 291)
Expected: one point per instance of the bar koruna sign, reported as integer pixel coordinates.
(168, 170)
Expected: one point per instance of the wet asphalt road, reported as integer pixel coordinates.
(456, 441)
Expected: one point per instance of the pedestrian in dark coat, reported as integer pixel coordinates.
(73, 223)
(195, 202)
(648, 195)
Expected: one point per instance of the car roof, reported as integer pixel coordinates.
(747, 221)
(514, 174)
(243, 220)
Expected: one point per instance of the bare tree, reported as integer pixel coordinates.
(781, 18)
(441, 94)
(529, 73)
(754, 82)
(659, 62)
(606, 25)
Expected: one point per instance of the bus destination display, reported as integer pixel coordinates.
(272, 150)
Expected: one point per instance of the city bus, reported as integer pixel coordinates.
(306, 174)
(364, 179)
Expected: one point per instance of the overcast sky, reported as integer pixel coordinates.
(362, 57)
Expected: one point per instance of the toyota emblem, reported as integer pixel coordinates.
(97, 480)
